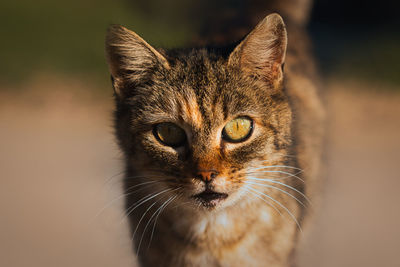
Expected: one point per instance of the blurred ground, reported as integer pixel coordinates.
(60, 168)
(358, 221)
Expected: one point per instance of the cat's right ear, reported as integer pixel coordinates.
(131, 60)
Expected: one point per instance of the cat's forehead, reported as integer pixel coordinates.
(215, 86)
(209, 78)
(204, 72)
(200, 89)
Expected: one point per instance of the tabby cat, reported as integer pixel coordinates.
(221, 147)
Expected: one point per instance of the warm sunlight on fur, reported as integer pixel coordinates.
(214, 159)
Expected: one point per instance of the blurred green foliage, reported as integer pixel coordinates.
(67, 37)
(369, 54)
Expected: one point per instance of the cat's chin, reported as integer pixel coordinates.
(210, 199)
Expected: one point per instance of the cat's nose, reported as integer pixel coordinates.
(206, 176)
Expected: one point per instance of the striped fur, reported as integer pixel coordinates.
(200, 90)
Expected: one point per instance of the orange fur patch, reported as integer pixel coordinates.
(192, 110)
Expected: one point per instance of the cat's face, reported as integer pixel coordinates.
(199, 125)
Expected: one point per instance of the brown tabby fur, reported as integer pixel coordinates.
(201, 90)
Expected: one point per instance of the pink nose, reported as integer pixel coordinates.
(207, 176)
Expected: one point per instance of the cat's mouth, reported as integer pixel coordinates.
(210, 198)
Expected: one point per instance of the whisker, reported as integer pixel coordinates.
(181, 204)
(277, 188)
(141, 218)
(112, 177)
(283, 172)
(144, 183)
(276, 166)
(145, 176)
(269, 203)
(111, 202)
(146, 198)
(155, 222)
(283, 184)
(280, 204)
(147, 210)
(148, 223)
(279, 155)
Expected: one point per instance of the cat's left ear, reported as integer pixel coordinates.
(262, 53)
(131, 59)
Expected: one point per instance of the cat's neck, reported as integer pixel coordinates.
(228, 237)
(221, 226)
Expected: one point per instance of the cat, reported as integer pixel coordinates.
(221, 146)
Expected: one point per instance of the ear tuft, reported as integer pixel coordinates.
(262, 53)
(130, 58)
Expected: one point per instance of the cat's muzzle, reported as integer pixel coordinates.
(209, 198)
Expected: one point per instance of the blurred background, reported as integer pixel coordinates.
(60, 197)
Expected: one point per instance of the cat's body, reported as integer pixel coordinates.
(213, 143)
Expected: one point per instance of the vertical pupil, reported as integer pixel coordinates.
(238, 129)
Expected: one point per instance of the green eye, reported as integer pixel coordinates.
(237, 130)
(170, 134)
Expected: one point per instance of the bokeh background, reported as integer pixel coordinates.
(60, 170)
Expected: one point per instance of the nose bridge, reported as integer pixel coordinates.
(202, 148)
(205, 158)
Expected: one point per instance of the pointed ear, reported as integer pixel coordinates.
(262, 53)
(130, 59)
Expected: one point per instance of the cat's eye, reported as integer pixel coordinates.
(238, 130)
(170, 134)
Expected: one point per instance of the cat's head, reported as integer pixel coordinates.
(195, 124)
